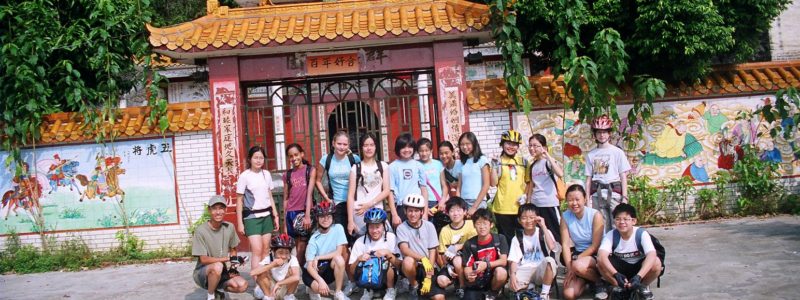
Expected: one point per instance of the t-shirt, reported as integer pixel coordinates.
(260, 185)
(279, 273)
(361, 246)
(419, 239)
(433, 170)
(484, 250)
(510, 186)
(323, 243)
(213, 243)
(373, 184)
(339, 176)
(544, 189)
(580, 230)
(407, 177)
(533, 254)
(449, 236)
(605, 164)
(471, 177)
(297, 196)
(628, 250)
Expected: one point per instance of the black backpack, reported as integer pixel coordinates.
(542, 244)
(360, 177)
(660, 251)
(289, 178)
(328, 168)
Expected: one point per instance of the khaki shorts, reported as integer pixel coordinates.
(258, 226)
(534, 274)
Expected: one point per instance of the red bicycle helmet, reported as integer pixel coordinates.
(324, 208)
(602, 123)
(281, 241)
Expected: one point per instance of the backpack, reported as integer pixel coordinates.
(483, 281)
(542, 244)
(328, 169)
(360, 177)
(660, 251)
(289, 178)
(561, 187)
(371, 274)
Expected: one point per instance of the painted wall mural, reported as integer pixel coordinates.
(85, 186)
(684, 138)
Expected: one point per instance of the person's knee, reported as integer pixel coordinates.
(338, 261)
(500, 274)
(214, 268)
(237, 285)
(409, 264)
(438, 297)
(443, 281)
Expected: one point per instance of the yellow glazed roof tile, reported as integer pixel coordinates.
(130, 122)
(277, 24)
(727, 80)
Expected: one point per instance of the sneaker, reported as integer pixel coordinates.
(390, 294)
(289, 297)
(314, 296)
(349, 288)
(220, 295)
(402, 286)
(340, 296)
(367, 295)
(645, 293)
(491, 295)
(413, 292)
(268, 298)
(460, 293)
(544, 296)
(258, 293)
(601, 290)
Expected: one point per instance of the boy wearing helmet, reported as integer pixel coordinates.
(325, 255)
(417, 243)
(279, 273)
(606, 171)
(509, 177)
(377, 242)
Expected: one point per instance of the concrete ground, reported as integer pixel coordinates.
(747, 258)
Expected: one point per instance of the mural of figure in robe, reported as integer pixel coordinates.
(697, 170)
(674, 144)
(25, 194)
(61, 172)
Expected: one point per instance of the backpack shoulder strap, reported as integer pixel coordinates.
(327, 172)
(308, 173)
(543, 244)
(615, 240)
(380, 168)
(351, 158)
(639, 232)
(289, 180)
(518, 234)
(359, 180)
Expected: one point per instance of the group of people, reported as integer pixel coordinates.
(430, 225)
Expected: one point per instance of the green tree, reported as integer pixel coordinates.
(598, 45)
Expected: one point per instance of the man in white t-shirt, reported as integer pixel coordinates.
(622, 261)
(532, 262)
(606, 171)
(279, 273)
(378, 242)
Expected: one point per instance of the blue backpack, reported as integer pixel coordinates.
(371, 274)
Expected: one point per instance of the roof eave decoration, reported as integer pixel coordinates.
(254, 27)
(68, 127)
(728, 80)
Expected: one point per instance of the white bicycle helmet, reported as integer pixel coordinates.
(414, 200)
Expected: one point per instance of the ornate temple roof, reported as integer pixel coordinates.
(730, 80)
(291, 24)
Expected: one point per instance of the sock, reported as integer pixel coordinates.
(545, 289)
(210, 296)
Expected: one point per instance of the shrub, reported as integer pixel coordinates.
(757, 184)
(645, 198)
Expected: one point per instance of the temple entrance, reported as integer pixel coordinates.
(310, 111)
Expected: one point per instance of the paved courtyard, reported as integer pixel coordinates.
(747, 258)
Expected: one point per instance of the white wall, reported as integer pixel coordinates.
(194, 165)
(487, 126)
(784, 37)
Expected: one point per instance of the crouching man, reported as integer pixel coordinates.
(214, 244)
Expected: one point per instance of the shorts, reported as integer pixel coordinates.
(534, 274)
(325, 271)
(627, 269)
(201, 278)
(340, 215)
(258, 226)
(435, 289)
(290, 216)
(401, 211)
(471, 202)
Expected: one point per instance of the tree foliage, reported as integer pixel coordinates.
(598, 45)
(66, 55)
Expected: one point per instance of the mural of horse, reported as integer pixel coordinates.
(95, 190)
(63, 174)
(25, 196)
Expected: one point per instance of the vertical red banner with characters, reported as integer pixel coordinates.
(225, 99)
(450, 82)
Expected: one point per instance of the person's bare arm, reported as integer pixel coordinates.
(321, 187)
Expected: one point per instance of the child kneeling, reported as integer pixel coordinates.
(378, 246)
(532, 254)
(417, 243)
(325, 255)
(451, 242)
(279, 273)
(484, 259)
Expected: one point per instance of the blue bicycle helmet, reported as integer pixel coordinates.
(375, 216)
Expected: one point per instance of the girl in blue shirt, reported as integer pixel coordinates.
(407, 176)
(474, 177)
(434, 170)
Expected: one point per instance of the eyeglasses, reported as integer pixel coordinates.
(623, 220)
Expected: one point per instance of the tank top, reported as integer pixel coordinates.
(580, 230)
